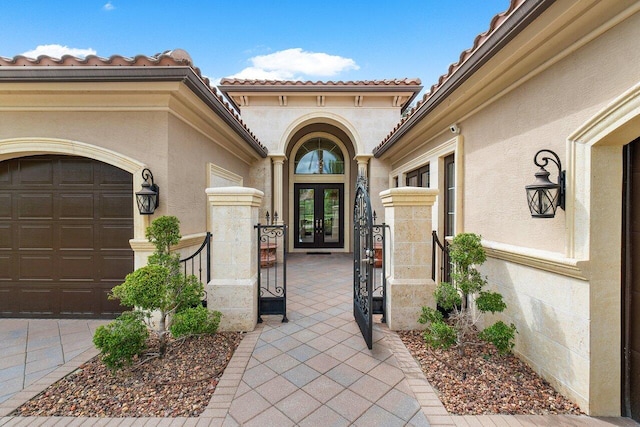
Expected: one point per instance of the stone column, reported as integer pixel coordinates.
(278, 185)
(409, 286)
(233, 289)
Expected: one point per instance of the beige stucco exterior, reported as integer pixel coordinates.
(561, 277)
(568, 81)
(286, 117)
(161, 126)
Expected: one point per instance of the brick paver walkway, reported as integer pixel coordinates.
(313, 371)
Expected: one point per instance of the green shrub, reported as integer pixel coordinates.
(161, 288)
(500, 335)
(466, 254)
(437, 333)
(490, 302)
(122, 339)
(195, 321)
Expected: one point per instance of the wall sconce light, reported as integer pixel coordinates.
(148, 197)
(544, 196)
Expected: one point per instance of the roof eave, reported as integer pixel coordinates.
(514, 25)
(133, 74)
(229, 90)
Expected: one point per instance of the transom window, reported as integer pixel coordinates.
(319, 156)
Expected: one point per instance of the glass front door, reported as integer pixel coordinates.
(319, 222)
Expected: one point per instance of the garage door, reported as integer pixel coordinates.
(65, 225)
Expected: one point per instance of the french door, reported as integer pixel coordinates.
(319, 222)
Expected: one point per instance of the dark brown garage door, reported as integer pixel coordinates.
(65, 225)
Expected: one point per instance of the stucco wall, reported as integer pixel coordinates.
(175, 152)
(551, 313)
(501, 140)
(187, 157)
(570, 332)
(274, 124)
(140, 135)
(569, 328)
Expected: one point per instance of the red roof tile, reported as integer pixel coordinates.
(359, 83)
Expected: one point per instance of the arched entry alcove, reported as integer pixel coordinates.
(318, 178)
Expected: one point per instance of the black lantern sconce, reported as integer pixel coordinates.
(544, 196)
(148, 197)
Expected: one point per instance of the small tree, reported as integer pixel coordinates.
(160, 287)
(466, 253)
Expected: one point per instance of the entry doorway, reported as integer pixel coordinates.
(318, 219)
(631, 282)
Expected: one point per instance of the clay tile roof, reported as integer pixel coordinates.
(170, 58)
(480, 39)
(320, 84)
(177, 57)
(229, 85)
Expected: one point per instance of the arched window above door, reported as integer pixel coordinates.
(319, 156)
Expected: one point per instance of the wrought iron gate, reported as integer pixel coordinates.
(272, 274)
(363, 260)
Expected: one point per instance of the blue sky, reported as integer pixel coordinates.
(320, 40)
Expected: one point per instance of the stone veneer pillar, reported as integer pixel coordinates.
(233, 289)
(409, 286)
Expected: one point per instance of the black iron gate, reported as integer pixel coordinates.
(363, 261)
(272, 273)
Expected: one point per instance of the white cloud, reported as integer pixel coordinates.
(57, 51)
(108, 6)
(292, 64)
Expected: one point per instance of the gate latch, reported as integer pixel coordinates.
(370, 255)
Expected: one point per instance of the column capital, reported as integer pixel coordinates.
(277, 157)
(408, 196)
(363, 158)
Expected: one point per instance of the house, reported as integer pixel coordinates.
(76, 135)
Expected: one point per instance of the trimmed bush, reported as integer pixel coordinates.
(466, 254)
(195, 321)
(160, 288)
(121, 340)
(500, 335)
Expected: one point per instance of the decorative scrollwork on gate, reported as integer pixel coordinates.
(272, 272)
(363, 256)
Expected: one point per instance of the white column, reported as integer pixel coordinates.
(363, 163)
(278, 164)
(409, 286)
(233, 289)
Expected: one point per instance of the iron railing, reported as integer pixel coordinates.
(379, 267)
(272, 274)
(444, 264)
(189, 264)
